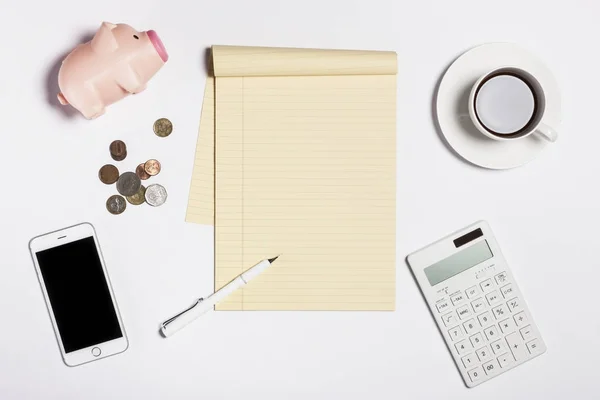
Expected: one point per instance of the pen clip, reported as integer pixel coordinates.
(173, 318)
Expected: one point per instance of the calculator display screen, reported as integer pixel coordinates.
(458, 262)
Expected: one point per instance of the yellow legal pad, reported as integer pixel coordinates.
(296, 156)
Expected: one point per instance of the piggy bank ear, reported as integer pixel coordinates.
(104, 41)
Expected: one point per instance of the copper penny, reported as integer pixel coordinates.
(152, 167)
(118, 150)
(108, 174)
(141, 172)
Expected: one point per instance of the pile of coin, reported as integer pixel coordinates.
(129, 184)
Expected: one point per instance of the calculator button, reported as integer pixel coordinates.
(507, 325)
(499, 346)
(463, 312)
(468, 360)
(521, 319)
(463, 347)
(516, 346)
(514, 305)
(457, 298)
(476, 340)
(487, 285)
(478, 305)
(527, 333)
(490, 367)
(493, 297)
(442, 305)
(483, 354)
(505, 360)
(533, 346)
(507, 290)
(455, 333)
(470, 326)
(491, 333)
(475, 374)
(501, 278)
(449, 319)
(485, 319)
(472, 292)
(500, 311)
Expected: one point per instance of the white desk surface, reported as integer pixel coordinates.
(544, 214)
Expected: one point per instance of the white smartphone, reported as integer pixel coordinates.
(78, 294)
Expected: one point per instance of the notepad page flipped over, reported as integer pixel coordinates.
(305, 168)
(201, 202)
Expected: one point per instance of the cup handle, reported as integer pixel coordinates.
(546, 132)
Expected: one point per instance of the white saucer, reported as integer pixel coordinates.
(452, 110)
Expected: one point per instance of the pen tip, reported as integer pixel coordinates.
(273, 259)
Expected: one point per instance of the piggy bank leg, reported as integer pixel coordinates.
(129, 80)
(139, 89)
(90, 104)
(93, 110)
(96, 113)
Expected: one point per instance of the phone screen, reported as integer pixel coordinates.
(79, 294)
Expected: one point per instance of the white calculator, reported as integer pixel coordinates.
(476, 303)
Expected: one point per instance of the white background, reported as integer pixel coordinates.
(544, 214)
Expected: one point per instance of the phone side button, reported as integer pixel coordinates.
(96, 351)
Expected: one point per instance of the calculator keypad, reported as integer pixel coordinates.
(457, 298)
(478, 305)
(464, 312)
(506, 291)
(468, 361)
(493, 298)
(456, 333)
(486, 285)
(521, 319)
(505, 360)
(470, 326)
(463, 347)
(485, 319)
(507, 326)
(450, 319)
(488, 327)
(476, 339)
(443, 305)
(472, 292)
(500, 311)
(499, 346)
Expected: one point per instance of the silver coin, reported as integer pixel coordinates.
(128, 184)
(116, 204)
(156, 195)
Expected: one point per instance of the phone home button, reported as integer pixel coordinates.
(96, 351)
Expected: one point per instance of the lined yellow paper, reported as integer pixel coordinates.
(201, 202)
(305, 168)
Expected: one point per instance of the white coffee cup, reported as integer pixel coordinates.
(509, 103)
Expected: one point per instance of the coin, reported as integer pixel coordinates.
(128, 184)
(108, 174)
(118, 150)
(163, 127)
(152, 167)
(116, 204)
(156, 195)
(141, 172)
(139, 197)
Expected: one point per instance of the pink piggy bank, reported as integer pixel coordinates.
(118, 61)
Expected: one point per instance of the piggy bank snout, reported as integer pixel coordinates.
(158, 45)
